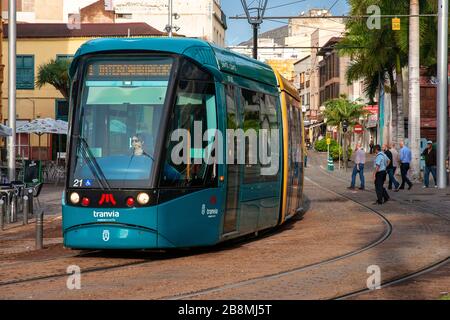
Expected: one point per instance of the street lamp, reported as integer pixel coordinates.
(255, 13)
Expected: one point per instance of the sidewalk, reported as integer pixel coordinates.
(430, 199)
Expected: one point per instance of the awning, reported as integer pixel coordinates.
(5, 131)
(312, 126)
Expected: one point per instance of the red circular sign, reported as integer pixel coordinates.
(358, 129)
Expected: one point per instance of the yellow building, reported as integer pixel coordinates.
(284, 66)
(37, 44)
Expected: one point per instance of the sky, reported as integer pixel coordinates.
(239, 30)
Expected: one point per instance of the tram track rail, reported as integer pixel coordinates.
(368, 189)
(386, 234)
(397, 280)
(402, 278)
(382, 238)
(163, 255)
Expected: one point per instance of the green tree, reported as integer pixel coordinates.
(380, 55)
(339, 110)
(55, 73)
(377, 57)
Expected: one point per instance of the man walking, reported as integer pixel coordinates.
(405, 161)
(360, 160)
(379, 176)
(395, 164)
(371, 145)
(430, 164)
(390, 168)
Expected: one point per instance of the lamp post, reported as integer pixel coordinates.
(12, 33)
(442, 103)
(255, 15)
(170, 24)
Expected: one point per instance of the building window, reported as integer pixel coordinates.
(62, 110)
(25, 72)
(124, 16)
(60, 57)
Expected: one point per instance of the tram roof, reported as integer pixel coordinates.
(215, 59)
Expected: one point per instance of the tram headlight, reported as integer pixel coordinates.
(143, 198)
(75, 198)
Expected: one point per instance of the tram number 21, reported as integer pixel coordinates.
(78, 183)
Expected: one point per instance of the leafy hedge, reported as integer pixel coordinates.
(336, 150)
(321, 146)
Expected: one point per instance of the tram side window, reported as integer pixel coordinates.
(269, 117)
(195, 108)
(252, 124)
(259, 112)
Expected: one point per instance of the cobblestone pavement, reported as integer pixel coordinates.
(436, 283)
(281, 265)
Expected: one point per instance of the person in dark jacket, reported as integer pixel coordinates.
(390, 168)
(430, 164)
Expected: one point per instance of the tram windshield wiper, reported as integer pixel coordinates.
(93, 164)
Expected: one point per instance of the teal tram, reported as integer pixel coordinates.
(126, 189)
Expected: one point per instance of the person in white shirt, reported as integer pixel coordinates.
(360, 161)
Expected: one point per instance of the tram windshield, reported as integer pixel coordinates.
(117, 125)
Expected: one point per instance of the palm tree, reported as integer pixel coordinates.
(55, 73)
(377, 57)
(339, 110)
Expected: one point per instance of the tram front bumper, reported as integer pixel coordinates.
(106, 236)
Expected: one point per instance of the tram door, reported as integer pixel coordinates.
(233, 169)
(294, 156)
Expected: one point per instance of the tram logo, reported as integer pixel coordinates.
(107, 198)
(106, 235)
(106, 214)
(210, 213)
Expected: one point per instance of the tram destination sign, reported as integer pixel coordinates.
(139, 70)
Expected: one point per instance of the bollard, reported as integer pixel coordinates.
(30, 201)
(25, 210)
(2, 213)
(39, 230)
(13, 212)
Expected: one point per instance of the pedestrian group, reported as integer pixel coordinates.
(386, 163)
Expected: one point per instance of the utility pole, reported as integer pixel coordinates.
(255, 40)
(381, 112)
(442, 91)
(414, 87)
(12, 89)
(1, 65)
(255, 13)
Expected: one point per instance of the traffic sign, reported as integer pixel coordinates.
(358, 129)
(396, 24)
(328, 141)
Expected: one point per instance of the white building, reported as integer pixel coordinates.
(268, 49)
(198, 19)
